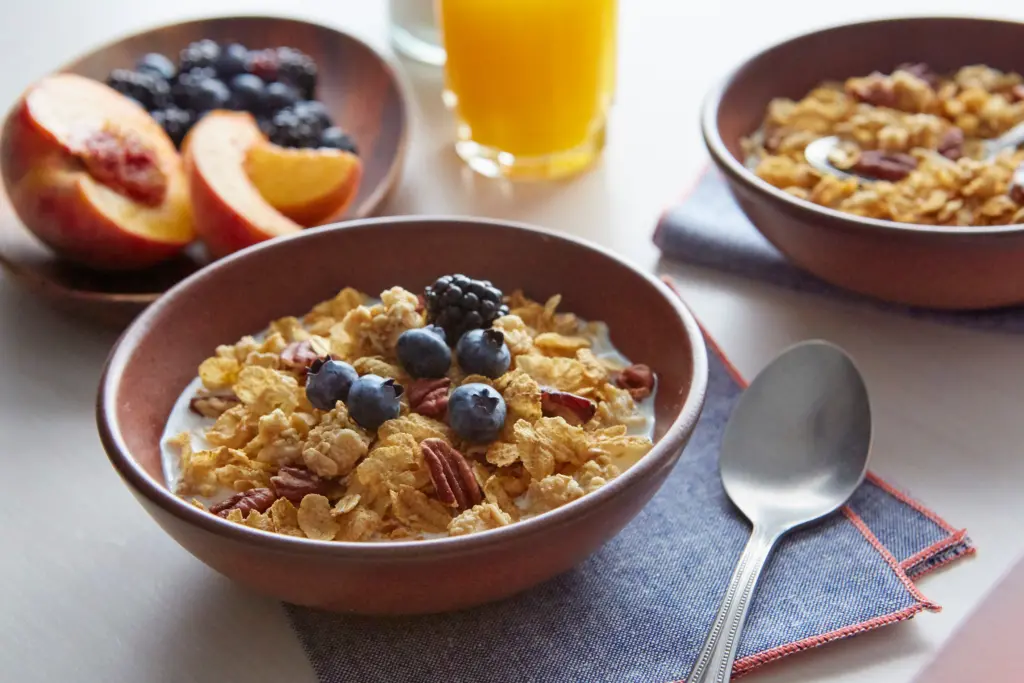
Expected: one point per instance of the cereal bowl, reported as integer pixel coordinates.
(158, 355)
(936, 266)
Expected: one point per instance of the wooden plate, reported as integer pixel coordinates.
(359, 86)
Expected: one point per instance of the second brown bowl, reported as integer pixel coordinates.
(238, 295)
(920, 265)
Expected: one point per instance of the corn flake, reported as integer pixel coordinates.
(479, 518)
(315, 518)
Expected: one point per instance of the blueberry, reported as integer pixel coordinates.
(476, 412)
(329, 382)
(248, 93)
(335, 138)
(373, 400)
(483, 352)
(158, 65)
(186, 89)
(211, 94)
(232, 61)
(281, 95)
(424, 352)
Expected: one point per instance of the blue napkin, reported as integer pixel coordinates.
(708, 228)
(639, 608)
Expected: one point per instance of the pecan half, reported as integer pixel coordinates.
(259, 500)
(875, 90)
(574, 409)
(638, 380)
(1016, 191)
(212, 405)
(429, 397)
(294, 483)
(951, 144)
(451, 475)
(298, 356)
(891, 166)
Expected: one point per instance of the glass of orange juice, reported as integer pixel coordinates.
(530, 82)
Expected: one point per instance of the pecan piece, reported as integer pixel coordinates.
(1017, 185)
(212, 405)
(429, 397)
(891, 166)
(298, 356)
(294, 483)
(575, 410)
(451, 475)
(922, 71)
(638, 380)
(1017, 93)
(951, 144)
(259, 500)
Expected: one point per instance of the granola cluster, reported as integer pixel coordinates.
(918, 134)
(272, 461)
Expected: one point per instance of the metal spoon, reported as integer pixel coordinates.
(794, 450)
(817, 153)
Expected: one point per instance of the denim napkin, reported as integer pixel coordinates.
(707, 228)
(639, 608)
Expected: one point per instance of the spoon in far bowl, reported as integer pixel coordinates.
(817, 153)
(794, 450)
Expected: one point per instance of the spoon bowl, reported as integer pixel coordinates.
(795, 449)
(796, 446)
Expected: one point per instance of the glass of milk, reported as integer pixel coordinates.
(414, 30)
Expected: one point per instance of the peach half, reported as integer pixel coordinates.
(92, 175)
(246, 189)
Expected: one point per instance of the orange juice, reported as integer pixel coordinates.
(531, 82)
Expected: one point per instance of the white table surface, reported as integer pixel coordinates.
(92, 590)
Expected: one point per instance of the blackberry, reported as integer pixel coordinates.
(149, 90)
(459, 304)
(288, 129)
(298, 69)
(158, 65)
(199, 90)
(335, 138)
(186, 89)
(315, 110)
(176, 122)
(200, 54)
(264, 64)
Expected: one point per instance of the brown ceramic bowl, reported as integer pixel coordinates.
(362, 90)
(159, 353)
(937, 267)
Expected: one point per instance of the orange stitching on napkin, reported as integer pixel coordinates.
(888, 557)
(936, 548)
(899, 495)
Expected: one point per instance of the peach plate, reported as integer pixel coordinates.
(930, 266)
(158, 355)
(362, 90)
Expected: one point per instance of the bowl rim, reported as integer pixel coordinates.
(673, 440)
(365, 209)
(738, 171)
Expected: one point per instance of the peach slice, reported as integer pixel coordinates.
(241, 184)
(309, 186)
(94, 176)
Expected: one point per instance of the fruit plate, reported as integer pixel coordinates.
(361, 89)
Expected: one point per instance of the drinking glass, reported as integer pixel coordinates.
(530, 81)
(414, 30)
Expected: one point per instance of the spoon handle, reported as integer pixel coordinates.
(714, 664)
